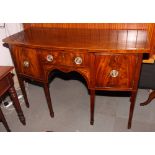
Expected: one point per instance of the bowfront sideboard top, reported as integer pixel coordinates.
(107, 59)
(89, 39)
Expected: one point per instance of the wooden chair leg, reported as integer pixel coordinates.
(2, 118)
(48, 98)
(132, 105)
(16, 104)
(150, 98)
(92, 102)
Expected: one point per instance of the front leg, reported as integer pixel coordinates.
(48, 98)
(22, 86)
(132, 105)
(92, 102)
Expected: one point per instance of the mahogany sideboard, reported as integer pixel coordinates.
(108, 60)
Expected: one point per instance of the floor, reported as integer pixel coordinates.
(71, 106)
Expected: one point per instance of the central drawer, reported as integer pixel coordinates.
(64, 58)
(115, 71)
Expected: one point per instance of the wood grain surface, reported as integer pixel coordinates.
(111, 56)
(86, 39)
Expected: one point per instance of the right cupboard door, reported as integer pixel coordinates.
(115, 71)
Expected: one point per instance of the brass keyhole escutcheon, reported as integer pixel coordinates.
(26, 63)
(114, 73)
(49, 58)
(78, 60)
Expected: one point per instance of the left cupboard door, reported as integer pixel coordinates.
(27, 62)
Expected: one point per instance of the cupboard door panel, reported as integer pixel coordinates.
(27, 61)
(115, 71)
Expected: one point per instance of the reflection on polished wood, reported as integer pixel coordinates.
(149, 27)
(92, 39)
(107, 59)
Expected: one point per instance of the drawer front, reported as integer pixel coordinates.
(26, 60)
(4, 85)
(115, 71)
(65, 58)
(51, 57)
(77, 59)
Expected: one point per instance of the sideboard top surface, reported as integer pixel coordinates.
(89, 39)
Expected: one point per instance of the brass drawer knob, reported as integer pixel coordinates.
(114, 73)
(49, 58)
(26, 64)
(78, 60)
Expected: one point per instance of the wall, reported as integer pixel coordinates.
(9, 29)
(5, 57)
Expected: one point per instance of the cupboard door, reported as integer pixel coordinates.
(27, 62)
(115, 71)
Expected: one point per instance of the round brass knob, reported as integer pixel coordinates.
(78, 60)
(49, 58)
(114, 73)
(26, 63)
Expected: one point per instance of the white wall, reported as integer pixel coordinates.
(9, 29)
(5, 57)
